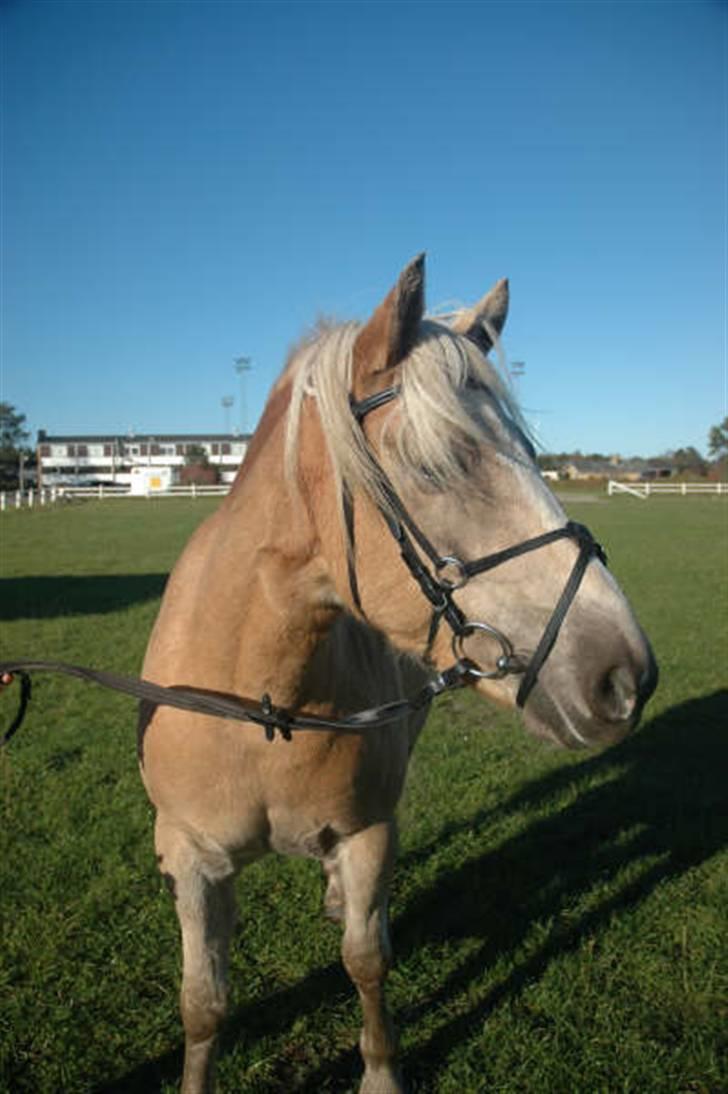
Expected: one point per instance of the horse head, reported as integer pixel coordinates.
(427, 444)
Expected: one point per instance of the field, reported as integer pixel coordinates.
(560, 921)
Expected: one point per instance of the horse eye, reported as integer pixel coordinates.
(474, 383)
(429, 475)
(466, 456)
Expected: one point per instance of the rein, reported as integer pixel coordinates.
(264, 713)
(434, 584)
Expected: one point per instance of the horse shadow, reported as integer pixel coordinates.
(658, 796)
(45, 597)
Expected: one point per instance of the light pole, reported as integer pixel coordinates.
(242, 365)
(517, 370)
(226, 402)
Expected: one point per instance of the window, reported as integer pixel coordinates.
(143, 449)
(70, 450)
(45, 451)
(215, 449)
(82, 450)
(225, 448)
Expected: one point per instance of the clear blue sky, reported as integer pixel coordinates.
(183, 183)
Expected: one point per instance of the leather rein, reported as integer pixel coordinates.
(435, 584)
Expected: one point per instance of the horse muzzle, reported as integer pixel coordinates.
(596, 707)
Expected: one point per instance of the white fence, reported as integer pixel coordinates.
(28, 499)
(645, 490)
(17, 499)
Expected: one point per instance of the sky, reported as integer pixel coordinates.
(186, 183)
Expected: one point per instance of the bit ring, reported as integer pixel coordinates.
(504, 663)
(452, 561)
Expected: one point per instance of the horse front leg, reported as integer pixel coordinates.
(201, 882)
(364, 868)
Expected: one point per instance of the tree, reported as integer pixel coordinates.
(718, 440)
(12, 444)
(196, 456)
(197, 469)
(688, 459)
(12, 434)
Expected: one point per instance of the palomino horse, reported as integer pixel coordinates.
(378, 442)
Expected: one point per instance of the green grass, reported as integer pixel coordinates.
(559, 920)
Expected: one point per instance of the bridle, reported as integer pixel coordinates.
(435, 584)
(438, 587)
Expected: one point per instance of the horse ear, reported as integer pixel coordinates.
(392, 330)
(492, 309)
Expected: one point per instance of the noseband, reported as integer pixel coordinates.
(449, 573)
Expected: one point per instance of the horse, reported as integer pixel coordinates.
(388, 532)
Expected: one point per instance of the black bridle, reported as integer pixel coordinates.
(438, 588)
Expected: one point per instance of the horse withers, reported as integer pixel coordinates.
(388, 520)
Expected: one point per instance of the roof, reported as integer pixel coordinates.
(137, 438)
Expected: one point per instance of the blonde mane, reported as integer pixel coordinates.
(445, 383)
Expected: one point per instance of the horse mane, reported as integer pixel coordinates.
(446, 384)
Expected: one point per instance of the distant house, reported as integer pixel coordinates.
(82, 459)
(630, 470)
(657, 472)
(588, 469)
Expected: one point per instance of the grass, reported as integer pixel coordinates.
(559, 920)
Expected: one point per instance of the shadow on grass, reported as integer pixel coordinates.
(45, 597)
(662, 803)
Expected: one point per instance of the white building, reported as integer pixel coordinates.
(85, 459)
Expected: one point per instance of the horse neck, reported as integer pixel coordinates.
(251, 598)
(252, 605)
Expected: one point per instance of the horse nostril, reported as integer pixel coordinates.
(617, 695)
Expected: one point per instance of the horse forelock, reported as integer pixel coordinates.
(451, 395)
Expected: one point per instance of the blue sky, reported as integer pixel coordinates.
(184, 183)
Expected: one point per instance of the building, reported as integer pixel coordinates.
(81, 460)
(630, 470)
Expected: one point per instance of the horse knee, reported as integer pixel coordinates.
(367, 957)
(202, 1015)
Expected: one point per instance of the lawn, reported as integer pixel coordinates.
(559, 920)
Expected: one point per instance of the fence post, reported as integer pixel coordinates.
(3, 502)
(683, 489)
